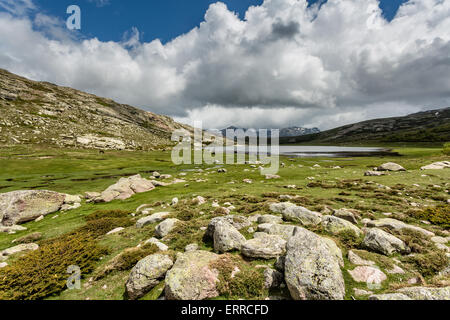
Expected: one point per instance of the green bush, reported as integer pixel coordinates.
(101, 214)
(429, 264)
(43, 272)
(447, 148)
(350, 239)
(439, 215)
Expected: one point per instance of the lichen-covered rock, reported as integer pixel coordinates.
(264, 247)
(239, 222)
(268, 218)
(394, 224)
(390, 166)
(272, 278)
(304, 216)
(164, 228)
(284, 231)
(346, 214)
(312, 271)
(382, 242)
(389, 296)
(357, 260)
(161, 246)
(226, 237)
(23, 206)
(146, 274)
(336, 225)
(370, 275)
(192, 277)
(280, 207)
(425, 293)
(154, 218)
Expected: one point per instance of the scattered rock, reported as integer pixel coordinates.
(346, 214)
(154, 218)
(360, 292)
(389, 296)
(272, 278)
(192, 277)
(5, 254)
(312, 271)
(264, 247)
(164, 228)
(284, 231)
(336, 225)
(116, 230)
(239, 222)
(393, 224)
(174, 201)
(267, 218)
(147, 274)
(161, 246)
(390, 166)
(383, 242)
(3, 265)
(199, 200)
(226, 237)
(396, 270)
(441, 240)
(374, 173)
(280, 207)
(370, 275)
(304, 216)
(191, 247)
(272, 176)
(437, 166)
(12, 229)
(125, 188)
(357, 260)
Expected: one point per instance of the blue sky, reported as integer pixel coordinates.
(164, 20)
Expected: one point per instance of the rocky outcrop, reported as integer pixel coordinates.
(382, 242)
(336, 225)
(264, 246)
(102, 143)
(27, 205)
(147, 273)
(192, 277)
(393, 224)
(125, 188)
(284, 231)
(312, 271)
(346, 214)
(239, 222)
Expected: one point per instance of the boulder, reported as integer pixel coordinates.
(226, 237)
(382, 242)
(336, 225)
(393, 224)
(272, 278)
(390, 166)
(280, 207)
(304, 216)
(192, 277)
(165, 227)
(268, 218)
(312, 271)
(425, 293)
(5, 254)
(437, 166)
(161, 246)
(355, 259)
(346, 214)
(154, 218)
(23, 206)
(191, 247)
(3, 265)
(264, 247)
(239, 222)
(116, 230)
(125, 188)
(389, 296)
(284, 231)
(371, 173)
(11, 229)
(146, 274)
(370, 275)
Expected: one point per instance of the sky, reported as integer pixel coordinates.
(248, 63)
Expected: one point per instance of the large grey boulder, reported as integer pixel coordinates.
(146, 274)
(437, 166)
(336, 225)
(268, 218)
(425, 293)
(264, 246)
(394, 224)
(284, 231)
(280, 207)
(302, 215)
(239, 222)
(192, 277)
(312, 270)
(154, 218)
(382, 242)
(390, 166)
(370, 275)
(165, 227)
(23, 206)
(125, 188)
(346, 214)
(5, 254)
(226, 237)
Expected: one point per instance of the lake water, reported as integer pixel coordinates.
(308, 151)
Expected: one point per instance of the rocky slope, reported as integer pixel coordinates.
(428, 126)
(284, 132)
(43, 113)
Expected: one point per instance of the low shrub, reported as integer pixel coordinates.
(447, 149)
(429, 264)
(439, 215)
(186, 232)
(350, 239)
(238, 279)
(103, 214)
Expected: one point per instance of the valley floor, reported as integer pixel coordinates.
(315, 183)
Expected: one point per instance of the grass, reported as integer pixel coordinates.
(76, 171)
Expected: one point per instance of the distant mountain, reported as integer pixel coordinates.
(285, 132)
(427, 126)
(43, 113)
